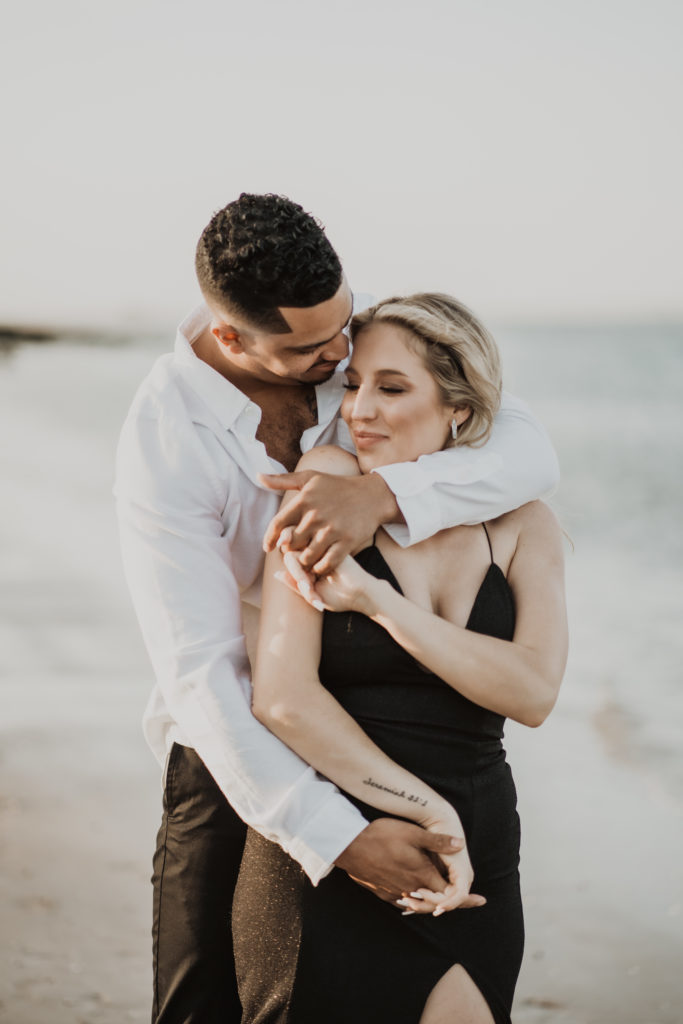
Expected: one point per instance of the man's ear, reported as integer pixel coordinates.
(228, 336)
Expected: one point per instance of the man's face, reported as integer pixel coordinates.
(312, 350)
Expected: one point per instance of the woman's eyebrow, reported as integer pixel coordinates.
(388, 371)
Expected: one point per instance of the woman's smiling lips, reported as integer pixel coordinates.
(366, 439)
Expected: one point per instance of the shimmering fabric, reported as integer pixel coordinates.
(338, 954)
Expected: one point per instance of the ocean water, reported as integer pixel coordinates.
(612, 401)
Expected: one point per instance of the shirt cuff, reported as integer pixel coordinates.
(415, 487)
(418, 505)
(325, 835)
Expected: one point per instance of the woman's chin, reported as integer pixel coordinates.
(366, 462)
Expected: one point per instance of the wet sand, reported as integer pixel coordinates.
(80, 800)
(79, 792)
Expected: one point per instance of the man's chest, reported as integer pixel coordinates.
(283, 421)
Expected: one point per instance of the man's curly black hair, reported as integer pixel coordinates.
(264, 251)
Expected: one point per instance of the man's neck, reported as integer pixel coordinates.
(288, 409)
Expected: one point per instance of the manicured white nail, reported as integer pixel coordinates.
(318, 605)
(406, 913)
(416, 896)
(402, 903)
(438, 912)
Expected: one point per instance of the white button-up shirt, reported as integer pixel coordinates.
(192, 517)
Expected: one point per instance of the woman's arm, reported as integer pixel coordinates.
(289, 698)
(520, 678)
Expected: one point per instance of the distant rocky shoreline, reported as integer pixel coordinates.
(10, 335)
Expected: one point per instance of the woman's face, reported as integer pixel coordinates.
(392, 405)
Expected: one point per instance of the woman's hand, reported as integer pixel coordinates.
(460, 876)
(348, 588)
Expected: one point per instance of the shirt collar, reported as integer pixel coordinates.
(221, 396)
(225, 400)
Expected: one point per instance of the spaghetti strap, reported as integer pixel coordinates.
(489, 540)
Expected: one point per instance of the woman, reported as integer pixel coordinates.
(398, 693)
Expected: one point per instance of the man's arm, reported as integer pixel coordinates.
(330, 518)
(178, 566)
(467, 485)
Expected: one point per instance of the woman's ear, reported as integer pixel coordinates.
(228, 336)
(461, 414)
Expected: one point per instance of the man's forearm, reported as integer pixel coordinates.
(205, 685)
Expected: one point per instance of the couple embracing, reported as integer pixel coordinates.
(339, 839)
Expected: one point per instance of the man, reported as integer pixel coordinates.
(255, 380)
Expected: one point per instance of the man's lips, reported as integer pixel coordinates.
(328, 367)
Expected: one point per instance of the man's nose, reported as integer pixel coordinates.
(335, 350)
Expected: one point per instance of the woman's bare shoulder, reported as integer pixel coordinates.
(328, 458)
(535, 515)
(539, 534)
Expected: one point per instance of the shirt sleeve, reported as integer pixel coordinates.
(178, 566)
(466, 485)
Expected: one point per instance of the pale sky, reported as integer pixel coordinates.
(525, 155)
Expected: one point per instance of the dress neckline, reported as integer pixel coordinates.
(493, 572)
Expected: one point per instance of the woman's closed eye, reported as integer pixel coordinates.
(386, 389)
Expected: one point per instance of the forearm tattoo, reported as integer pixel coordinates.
(411, 797)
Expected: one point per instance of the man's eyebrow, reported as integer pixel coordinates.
(326, 341)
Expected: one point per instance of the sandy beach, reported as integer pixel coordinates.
(599, 785)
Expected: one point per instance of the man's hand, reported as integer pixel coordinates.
(394, 858)
(331, 516)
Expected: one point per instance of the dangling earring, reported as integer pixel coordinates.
(454, 429)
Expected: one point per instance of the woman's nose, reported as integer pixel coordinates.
(363, 405)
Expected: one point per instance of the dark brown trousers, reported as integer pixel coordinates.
(197, 860)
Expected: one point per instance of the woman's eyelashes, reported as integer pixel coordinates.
(386, 389)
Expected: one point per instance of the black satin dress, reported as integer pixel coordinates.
(336, 954)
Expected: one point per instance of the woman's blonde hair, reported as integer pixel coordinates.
(457, 350)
